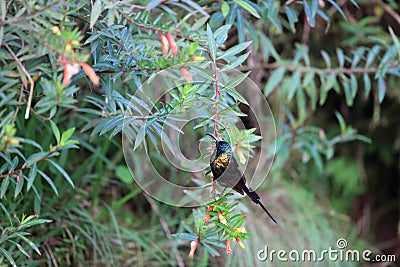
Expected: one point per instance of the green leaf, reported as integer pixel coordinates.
(348, 93)
(49, 181)
(63, 172)
(8, 256)
(225, 9)
(29, 242)
(153, 3)
(340, 55)
(186, 236)
(124, 174)
(236, 62)
(67, 134)
(32, 176)
(56, 131)
(341, 122)
(192, 48)
(295, 82)
(213, 252)
(292, 17)
(310, 15)
(35, 158)
(234, 50)
(240, 26)
(381, 88)
(235, 82)
(20, 248)
(274, 80)
(196, 7)
(6, 212)
(211, 43)
(237, 96)
(326, 59)
(247, 7)
(96, 11)
(338, 8)
(140, 137)
(18, 187)
(395, 40)
(367, 84)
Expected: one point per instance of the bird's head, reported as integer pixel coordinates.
(222, 146)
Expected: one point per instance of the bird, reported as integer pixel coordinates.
(226, 170)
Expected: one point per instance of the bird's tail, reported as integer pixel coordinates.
(256, 199)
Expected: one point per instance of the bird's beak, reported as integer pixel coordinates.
(213, 137)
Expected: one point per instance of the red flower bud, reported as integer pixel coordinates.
(221, 218)
(172, 44)
(210, 208)
(228, 248)
(186, 74)
(193, 246)
(239, 242)
(164, 45)
(91, 74)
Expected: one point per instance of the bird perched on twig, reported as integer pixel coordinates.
(225, 168)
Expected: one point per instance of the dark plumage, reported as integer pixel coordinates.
(225, 168)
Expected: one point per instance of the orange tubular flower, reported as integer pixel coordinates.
(197, 58)
(164, 45)
(186, 74)
(69, 70)
(91, 74)
(193, 246)
(240, 230)
(228, 248)
(221, 218)
(172, 44)
(210, 208)
(239, 242)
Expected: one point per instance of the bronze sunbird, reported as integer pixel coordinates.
(225, 168)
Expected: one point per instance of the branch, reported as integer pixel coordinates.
(28, 107)
(165, 228)
(28, 166)
(388, 9)
(146, 27)
(15, 20)
(303, 69)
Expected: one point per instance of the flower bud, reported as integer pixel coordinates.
(221, 218)
(172, 44)
(228, 248)
(193, 246)
(164, 45)
(91, 74)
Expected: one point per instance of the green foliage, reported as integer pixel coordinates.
(86, 210)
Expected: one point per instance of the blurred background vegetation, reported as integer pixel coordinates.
(330, 70)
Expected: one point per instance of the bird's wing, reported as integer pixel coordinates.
(232, 175)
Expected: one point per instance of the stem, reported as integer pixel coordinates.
(217, 93)
(28, 166)
(303, 69)
(216, 99)
(146, 27)
(15, 20)
(32, 83)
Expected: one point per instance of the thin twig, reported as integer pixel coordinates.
(28, 166)
(303, 69)
(29, 16)
(146, 27)
(21, 95)
(165, 227)
(28, 107)
(388, 9)
(53, 259)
